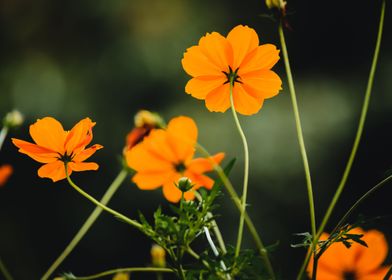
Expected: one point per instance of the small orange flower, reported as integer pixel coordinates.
(5, 172)
(165, 156)
(238, 57)
(357, 262)
(54, 147)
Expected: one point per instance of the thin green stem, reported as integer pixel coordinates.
(3, 134)
(129, 269)
(246, 172)
(357, 140)
(104, 207)
(4, 271)
(237, 202)
(87, 224)
(195, 255)
(299, 130)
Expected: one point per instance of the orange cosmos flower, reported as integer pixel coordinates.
(54, 147)
(5, 172)
(165, 156)
(238, 57)
(357, 262)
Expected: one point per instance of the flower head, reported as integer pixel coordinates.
(13, 119)
(165, 156)
(357, 262)
(236, 59)
(54, 147)
(5, 172)
(158, 256)
(121, 276)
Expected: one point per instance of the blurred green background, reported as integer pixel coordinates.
(108, 59)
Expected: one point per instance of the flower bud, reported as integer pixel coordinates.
(145, 118)
(184, 184)
(279, 4)
(13, 119)
(158, 256)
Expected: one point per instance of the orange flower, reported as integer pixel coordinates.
(238, 57)
(5, 172)
(167, 155)
(54, 147)
(356, 262)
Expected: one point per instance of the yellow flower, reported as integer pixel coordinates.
(158, 255)
(121, 276)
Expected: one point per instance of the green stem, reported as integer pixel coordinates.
(246, 172)
(299, 130)
(104, 207)
(129, 269)
(354, 149)
(3, 134)
(4, 271)
(87, 224)
(237, 202)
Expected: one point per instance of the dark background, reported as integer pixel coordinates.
(108, 59)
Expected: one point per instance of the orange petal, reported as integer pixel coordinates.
(200, 180)
(219, 99)
(5, 172)
(262, 84)
(245, 103)
(201, 86)
(152, 180)
(140, 158)
(83, 166)
(201, 165)
(189, 195)
(157, 143)
(196, 63)
(38, 153)
(54, 170)
(262, 58)
(376, 274)
(85, 154)
(170, 191)
(243, 41)
(79, 136)
(48, 133)
(371, 257)
(217, 49)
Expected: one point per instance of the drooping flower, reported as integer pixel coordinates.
(158, 256)
(55, 146)
(217, 60)
(121, 276)
(165, 156)
(357, 262)
(5, 172)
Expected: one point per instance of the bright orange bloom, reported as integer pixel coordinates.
(54, 147)
(5, 172)
(357, 262)
(165, 156)
(239, 57)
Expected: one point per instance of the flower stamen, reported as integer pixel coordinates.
(232, 76)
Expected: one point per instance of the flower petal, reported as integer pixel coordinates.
(171, 192)
(262, 58)
(243, 41)
(53, 170)
(201, 86)
(152, 180)
(85, 154)
(196, 63)
(245, 103)
(157, 143)
(6, 171)
(263, 84)
(219, 99)
(217, 49)
(200, 180)
(201, 165)
(48, 133)
(38, 153)
(83, 166)
(79, 136)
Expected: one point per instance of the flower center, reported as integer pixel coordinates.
(66, 158)
(232, 76)
(180, 167)
(349, 275)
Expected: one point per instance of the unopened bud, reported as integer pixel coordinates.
(158, 256)
(184, 184)
(279, 4)
(13, 119)
(145, 118)
(121, 276)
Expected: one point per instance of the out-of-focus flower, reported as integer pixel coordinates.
(279, 4)
(13, 119)
(238, 59)
(54, 147)
(158, 256)
(357, 262)
(167, 155)
(5, 172)
(121, 276)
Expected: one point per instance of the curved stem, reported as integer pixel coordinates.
(246, 172)
(129, 269)
(87, 224)
(104, 207)
(3, 134)
(4, 271)
(237, 202)
(299, 130)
